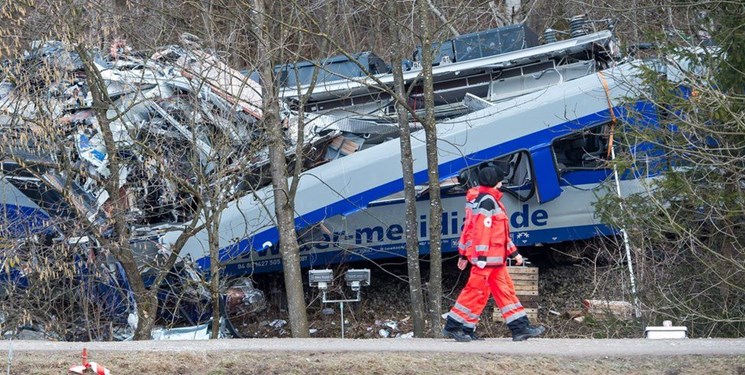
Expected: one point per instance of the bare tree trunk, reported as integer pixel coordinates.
(407, 169)
(442, 18)
(498, 17)
(283, 205)
(512, 9)
(147, 302)
(214, 246)
(435, 205)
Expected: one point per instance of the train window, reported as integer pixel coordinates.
(585, 149)
(518, 179)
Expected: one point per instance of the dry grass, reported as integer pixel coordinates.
(368, 363)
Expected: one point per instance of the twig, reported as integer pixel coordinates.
(442, 18)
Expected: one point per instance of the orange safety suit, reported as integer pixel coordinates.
(485, 242)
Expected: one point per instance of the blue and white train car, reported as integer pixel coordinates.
(552, 142)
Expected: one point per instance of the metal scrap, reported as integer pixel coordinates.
(176, 102)
(163, 108)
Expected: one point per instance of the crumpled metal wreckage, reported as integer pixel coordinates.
(163, 107)
(177, 101)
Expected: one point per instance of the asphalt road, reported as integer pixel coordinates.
(536, 347)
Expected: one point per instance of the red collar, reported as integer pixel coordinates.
(491, 191)
(472, 193)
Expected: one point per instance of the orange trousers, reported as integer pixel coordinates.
(474, 296)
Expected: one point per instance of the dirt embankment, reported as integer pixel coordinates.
(232, 362)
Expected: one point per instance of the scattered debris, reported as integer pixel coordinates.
(243, 299)
(571, 314)
(667, 331)
(328, 311)
(88, 367)
(278, 323)
(602, 308)
(389, 327)
(392, 324)
(198, 332)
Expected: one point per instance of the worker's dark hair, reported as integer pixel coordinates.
(469, 177)
(489, 176)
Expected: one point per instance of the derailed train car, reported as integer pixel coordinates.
(543, 113)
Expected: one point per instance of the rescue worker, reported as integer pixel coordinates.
(485, 243)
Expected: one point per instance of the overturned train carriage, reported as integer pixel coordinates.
(542, 113)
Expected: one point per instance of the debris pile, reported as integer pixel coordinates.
(170, 128)
(175, 116)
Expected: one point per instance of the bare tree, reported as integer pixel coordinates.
(433, 172)
(283, 201)
(398, 54)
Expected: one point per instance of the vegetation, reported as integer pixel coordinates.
(687, 229)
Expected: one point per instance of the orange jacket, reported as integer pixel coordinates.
(485, 240)
(464, 243)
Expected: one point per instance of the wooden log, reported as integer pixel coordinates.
(603, 308)
(571, 314)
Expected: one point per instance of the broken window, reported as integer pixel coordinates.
(518, 177)
(586, 149)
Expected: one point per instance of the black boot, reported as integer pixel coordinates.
(541, 329)
(521, 329)
(454, 330)
(472, 333)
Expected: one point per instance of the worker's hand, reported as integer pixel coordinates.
(462, 262)
(519, 260)
(481, 264)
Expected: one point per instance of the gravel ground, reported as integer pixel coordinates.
(385, 356)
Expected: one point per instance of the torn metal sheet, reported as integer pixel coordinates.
(224, 81)
(198, 332)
